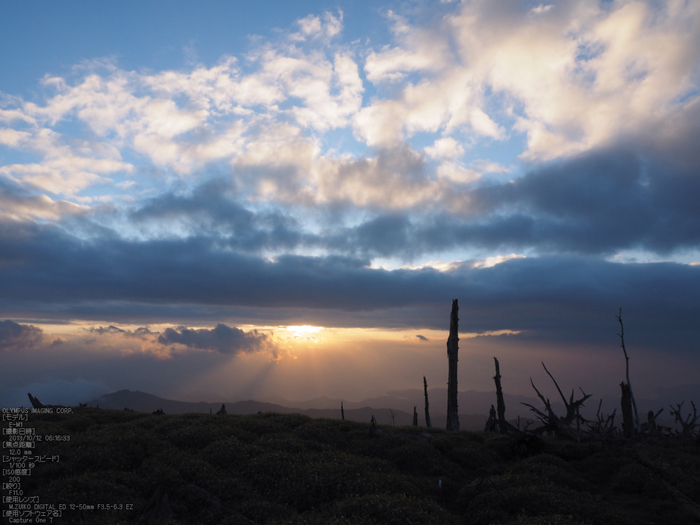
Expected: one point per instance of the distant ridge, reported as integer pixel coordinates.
(473, 406)
(144, 402)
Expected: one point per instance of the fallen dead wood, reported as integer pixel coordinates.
(553, 424)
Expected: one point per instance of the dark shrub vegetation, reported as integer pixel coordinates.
(289, 469)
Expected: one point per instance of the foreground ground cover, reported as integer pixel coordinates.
(285, 469)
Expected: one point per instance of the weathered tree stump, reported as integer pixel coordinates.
(452, 351)
(427, 405)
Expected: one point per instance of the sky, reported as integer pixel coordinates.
(235, 200)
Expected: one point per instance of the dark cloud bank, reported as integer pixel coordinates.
(15, 336)
(222, 339)
(596, 204)
(571, 213)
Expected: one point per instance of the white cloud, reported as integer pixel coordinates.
(313, 26)
(444, 148)
(440, 266)
(13, 138)
(584, 75)
(574, 79)
(380, 124)
(456, 173)
(9, 115)
(541, 9)
(66, 168)
(417, 50)
(41, 207)
(490, 262)
(488, 166)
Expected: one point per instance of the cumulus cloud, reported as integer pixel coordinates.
(417, 49)
(223, 339)
(579, 79)
(313, 26)
(146, 113)
(476, 73)
(445, 147)
(17, 337)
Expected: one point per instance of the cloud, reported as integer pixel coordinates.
(180, 120)
(569, 78)
(223, 339)
(542, 8)
(284, 180)
(422, 338)
(599, 203)
(445, 147)
(66, 168)
(475, 74)
(313, 26)
(101, 330)
(133, 281)
(18, 337)
(417, 49)
(18, 203)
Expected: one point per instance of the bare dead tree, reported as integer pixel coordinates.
(628, 427)
(604, 425)
(415, 416)
(342, 411)
(452, 351)
(627, 365)
(492, 421)
(427, 405)
(393, 417)
(38, 404)
(34, 401)
(502, 423)
(651, 426)
(552, 423)
(689, 423)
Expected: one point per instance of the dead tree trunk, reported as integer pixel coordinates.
(552, 423)
(34, 401)
(452, 350)
(638, 424)
(342, 411)
(502, 424)
(689, 423)
(627, 420)
(652, 426)
(415, 416)
(491, 422)
(427, 406)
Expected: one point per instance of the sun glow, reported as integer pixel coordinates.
(305, 332)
